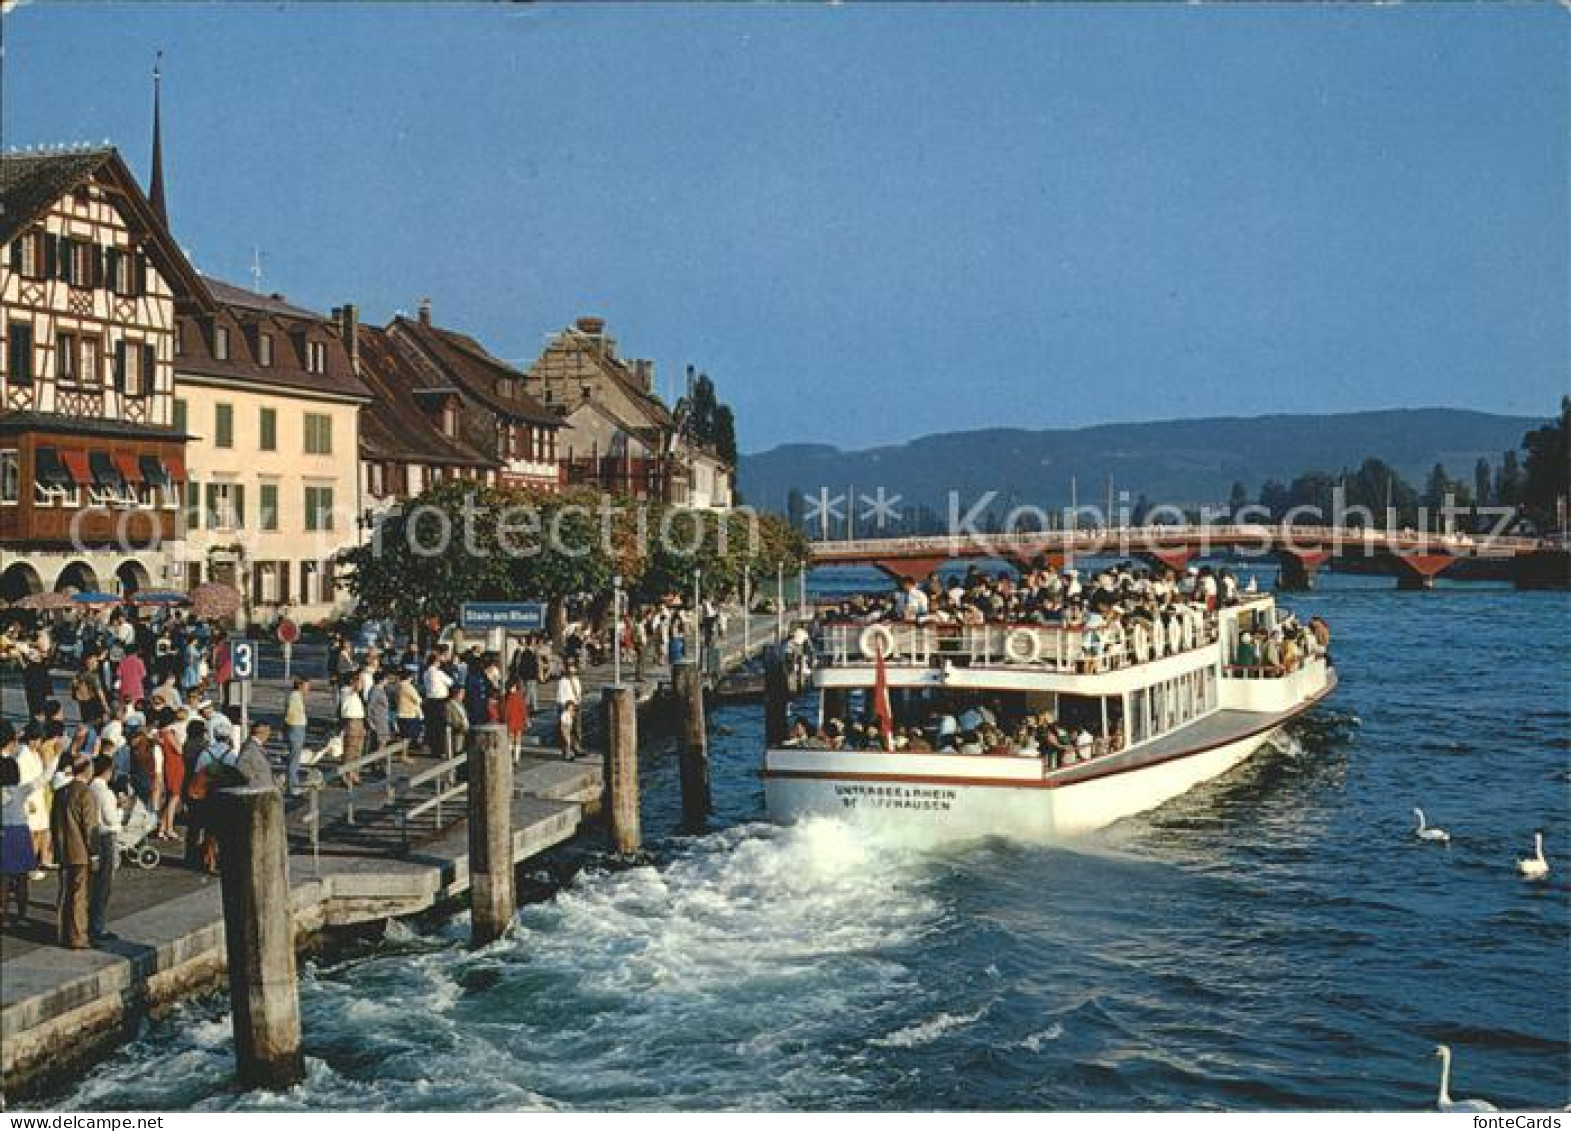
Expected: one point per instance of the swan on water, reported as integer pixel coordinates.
(1445, 1102)
(1425, 832)
(1534, 867)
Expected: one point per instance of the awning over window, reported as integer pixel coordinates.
(105, 473)
(49, 470)
(154, 473)
(128, 467)
(175, 462)
(76, 466)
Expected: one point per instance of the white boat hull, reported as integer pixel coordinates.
(957, 807)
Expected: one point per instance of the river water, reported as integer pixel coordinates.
(1275, 939)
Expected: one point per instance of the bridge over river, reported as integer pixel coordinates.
(1415, 558)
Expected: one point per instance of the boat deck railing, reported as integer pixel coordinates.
(1027, 647)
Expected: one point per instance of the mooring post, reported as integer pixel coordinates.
(688, 679)
(777, 697)
(621, 769)
(264, 989)
(490, 834)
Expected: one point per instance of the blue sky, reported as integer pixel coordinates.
(871, 223)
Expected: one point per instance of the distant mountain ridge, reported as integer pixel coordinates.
(1179, 462)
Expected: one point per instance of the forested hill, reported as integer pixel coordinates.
(1179, 462)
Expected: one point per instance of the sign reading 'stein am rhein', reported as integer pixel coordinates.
(511, 616)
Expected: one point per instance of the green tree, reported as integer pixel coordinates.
(1483, 483)
(1547, 469)
(1237, 498)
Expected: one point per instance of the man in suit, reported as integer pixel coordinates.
(73, 821)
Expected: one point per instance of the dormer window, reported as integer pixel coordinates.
(221, 343)
(264, 350)
(316, 357)
(449, 419)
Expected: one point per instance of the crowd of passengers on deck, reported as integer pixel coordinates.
(975, 731)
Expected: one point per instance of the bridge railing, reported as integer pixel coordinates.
(1128, 540)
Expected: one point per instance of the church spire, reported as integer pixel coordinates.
(156, 192)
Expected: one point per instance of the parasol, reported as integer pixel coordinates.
(213, 600)
(49, 599)
(92, 597)
(157, 597)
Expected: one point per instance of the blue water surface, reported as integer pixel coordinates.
(1276, 939)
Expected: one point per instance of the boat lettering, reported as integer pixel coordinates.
(894, 797)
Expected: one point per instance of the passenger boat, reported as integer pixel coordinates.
(1156, 710)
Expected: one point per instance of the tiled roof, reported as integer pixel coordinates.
(240, 309)
(613, 368)
(393, 426)
(30, 183)
(477, 372)
(271, 304)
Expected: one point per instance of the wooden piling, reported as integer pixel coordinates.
(777, 698)
(621, 769)
(491, 896)
(264, 988)
(688, 680)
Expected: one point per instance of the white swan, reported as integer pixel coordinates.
(1424, 832)
(1534, 867)
(1445, 1102)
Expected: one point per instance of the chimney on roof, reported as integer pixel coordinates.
(645, 371)
(349, 329)
(591, 325)
(425, 311)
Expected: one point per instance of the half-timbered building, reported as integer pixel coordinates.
(91, 457)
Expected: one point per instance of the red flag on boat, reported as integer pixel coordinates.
(886, 717)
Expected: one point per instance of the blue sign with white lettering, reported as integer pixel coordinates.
(511, 616)
(243, 656)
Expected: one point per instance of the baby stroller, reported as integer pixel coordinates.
(132, 839)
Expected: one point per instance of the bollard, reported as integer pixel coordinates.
(264, 989)
(777, 697)
(689, 683)
(490, 835)
(621, 769)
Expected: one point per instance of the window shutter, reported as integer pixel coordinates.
(113, 267)
(66, 260)
(120, 366)
(193, 506)
(49, 261)
(212, 505)
(141, 272)
(237, 493)
(16, 253)
(149, 368)
(98, 266)
(283, 583)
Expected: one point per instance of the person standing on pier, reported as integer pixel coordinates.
(17, 859)
(569, 702)
(105, 849)
(438, 688)
(73, 820)
(295, 721)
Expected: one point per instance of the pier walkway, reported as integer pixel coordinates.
(400, 850)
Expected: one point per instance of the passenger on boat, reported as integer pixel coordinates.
(1247, 655)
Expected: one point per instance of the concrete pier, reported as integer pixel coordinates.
(264, 987)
